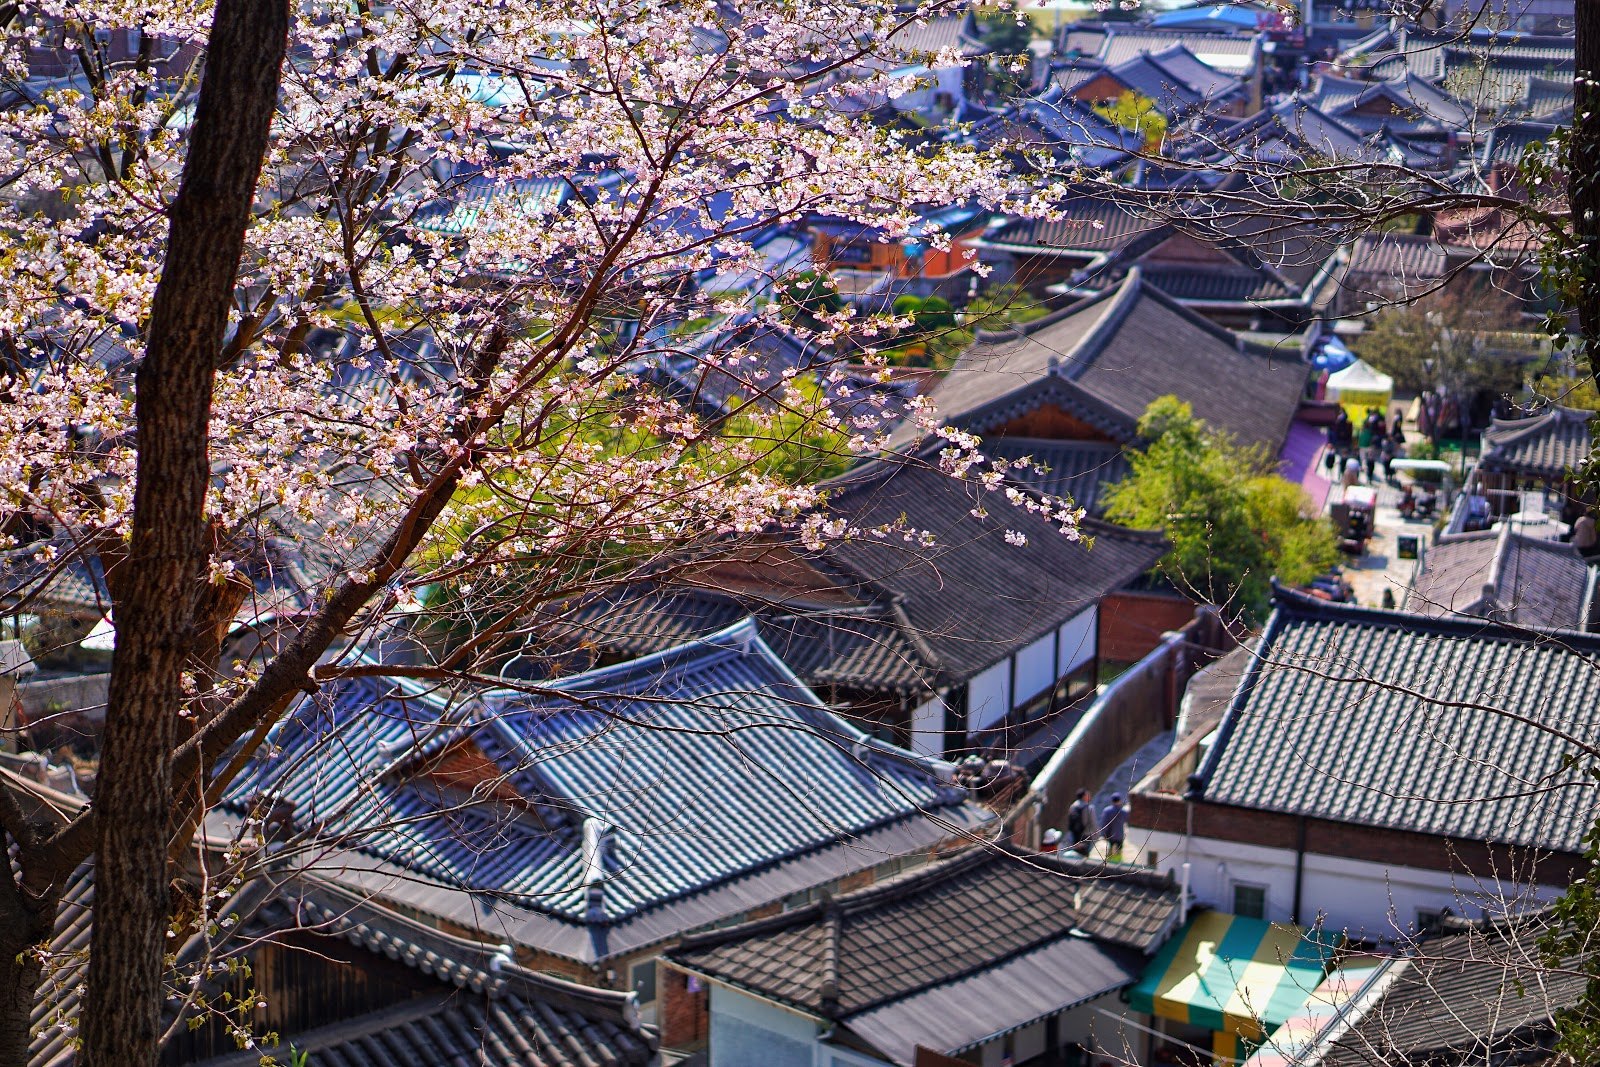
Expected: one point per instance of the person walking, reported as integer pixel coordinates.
(1080, 823)
(1114, 826)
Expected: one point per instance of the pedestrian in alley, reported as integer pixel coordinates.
(1080, 823)
(1114, 826)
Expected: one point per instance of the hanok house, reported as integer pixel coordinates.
(866, 264)
(992, 956)
(586, 827)
(974, 642)
(1072, 385)
(1475, 992)
(1237, 269)
(332, 973)
(1037, 253)
(352, 984)
(1110, 44)
(1177, 83)
(1510, 576)
(1362, 775)
(1530, 464)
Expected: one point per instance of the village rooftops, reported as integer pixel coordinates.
(1550, 445)
(1104, 359)
(891, 613)
(1238, 55)
(617, 809)
(1479, 995)
(953, 954)
(1508, 576)
(1449, 727)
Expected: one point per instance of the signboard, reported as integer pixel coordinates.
(1408, 546)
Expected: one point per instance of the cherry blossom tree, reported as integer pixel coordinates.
(395, 290)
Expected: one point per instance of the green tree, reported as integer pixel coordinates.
(1136, 112)
(1461, 340)
(1233, 523)
(1005, 32)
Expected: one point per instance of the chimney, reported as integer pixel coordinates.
(596, 836)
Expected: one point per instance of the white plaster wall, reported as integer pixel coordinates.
(1035, 665)
(1363, 899)
(989, 696)
(927, 727)
(1077, 638)
(746, 1031)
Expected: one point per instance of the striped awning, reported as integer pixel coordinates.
(1294, 1041)
(1232, 974)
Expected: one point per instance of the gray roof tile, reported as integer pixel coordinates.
(708, 763)
(953, 919)
(1379, 718)
(1106, 358)
(1481, 996)
(1503, 575)
(1547, 445)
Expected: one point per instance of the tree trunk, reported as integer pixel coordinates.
(155, 595)
(1583, 180)
(20, 970)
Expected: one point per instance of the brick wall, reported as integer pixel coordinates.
(1131, 624)
(684, 1017)
(1397, 848)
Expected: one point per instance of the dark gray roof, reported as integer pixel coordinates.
(1481, 996)
(1382, 718)
(1504, 575)
(862, 646)
(959, 1015)
(1092, 226)
(1106, 358)
(462, 1028)
(1076, 470)
(949, 945)
(899, 615)
(489, 1011)
(1405, 258)
(973, 597)
(1507, 143)
(957, 31)
(1283, 133)
(53, 576)
(1550, 444)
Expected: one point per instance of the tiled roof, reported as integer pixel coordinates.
(1508, 142)
(1291, 130)
(1106, 358)
(899, 618)
(54, 576)
(1092, 226)
(1379, 718)
(974, 597)
(1077, 470)
(700, 765)
(1400, 257)
(1503, 575)
(489, 1012)
(957, 31)
(1482, 996)
(1068, 129)
(961, 918)
(450, 1029)
(1550, 444)
(1230, 54)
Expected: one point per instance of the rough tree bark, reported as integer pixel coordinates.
(155, 595)
(1583, 181)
